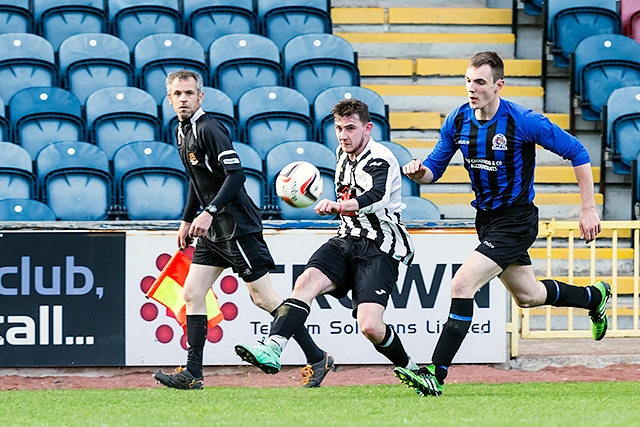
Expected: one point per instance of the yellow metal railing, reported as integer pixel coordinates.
(618, 243)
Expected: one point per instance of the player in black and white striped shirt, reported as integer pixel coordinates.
(363, 257)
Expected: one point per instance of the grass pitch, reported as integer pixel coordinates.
(477, 405)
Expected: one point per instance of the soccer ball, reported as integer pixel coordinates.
(299, 184)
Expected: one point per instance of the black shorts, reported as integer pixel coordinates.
(507, 234)
(247, 255)
(357, 265)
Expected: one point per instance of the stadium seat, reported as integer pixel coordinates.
(621, 121)
(415, 208)
(17, 179)
(282, 20)
(325, 101)
(208, 20)
(317, 154)
(409, 187)
(93, 61)
(533, 7)
(117, 115)
(75, 181)
(569, 22)
(133, 22)
(15, 16)
(269, 115)
(5, 127)
(56, 20)
(42, 115)
(157, 55)
(25, 210)
(150, 180)
(26, 60)
(256, 182)
(603, 63)
(629, 15)
(240, 62)
(215, 103)
(314, 62)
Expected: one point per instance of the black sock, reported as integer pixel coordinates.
(312, 352)
(562, 295)
(453, 333)
(391, 347)
(196, 336)
(290, 317)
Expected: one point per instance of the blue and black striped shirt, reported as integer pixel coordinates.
(500, 154)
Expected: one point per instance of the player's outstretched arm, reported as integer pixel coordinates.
(589, 219)
(418, 172)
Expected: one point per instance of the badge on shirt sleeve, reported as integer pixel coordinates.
(193, 159)
(499, 142)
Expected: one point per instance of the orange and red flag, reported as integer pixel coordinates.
(167, 290)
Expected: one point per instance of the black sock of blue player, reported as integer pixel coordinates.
(563, 295)
(453, 333)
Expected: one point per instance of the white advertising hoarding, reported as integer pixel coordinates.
(417, 310)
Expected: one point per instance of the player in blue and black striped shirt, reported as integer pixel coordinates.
(498, 140)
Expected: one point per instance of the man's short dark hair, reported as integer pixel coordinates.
(184, 75)
(493, 60)
(349, 107)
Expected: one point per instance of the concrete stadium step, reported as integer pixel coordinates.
(443, 99)
(409, 3)
(565, 206)
(432, 67)
(421, 15)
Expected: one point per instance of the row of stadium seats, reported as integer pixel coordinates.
(205, 20)
(113, 116)
(237, 62)
(146, 180)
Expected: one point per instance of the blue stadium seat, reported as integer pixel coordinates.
(207, 20)
(25, 210)
(17, 179)
(42, 115)
(75, 181)
(269, 115)
(240, 62)
(415, 208)
(569, 22)
(621, 122)
(92, 61)
(256, 182)
(292, 151)
(325, 101)
(58, 19)
(215, 103)
(26, 60)
(157, 55)
(133, 22)
(314, 62)
(15, 16)
(282, 20)
(117, 115)
(150, 180)
(409, 187)
(5, 127)
(603, 63)
(533, 7)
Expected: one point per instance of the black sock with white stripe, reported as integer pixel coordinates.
(563, 295)
(311, 351)
(391, 347)
(290, 317)
(453, 333)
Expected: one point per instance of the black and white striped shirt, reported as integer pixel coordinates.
(375, 181)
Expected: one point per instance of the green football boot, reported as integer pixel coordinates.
(598, 316)
(422, 380)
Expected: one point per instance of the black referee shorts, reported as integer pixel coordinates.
(507, 234)
(248, 255)
(357, 264)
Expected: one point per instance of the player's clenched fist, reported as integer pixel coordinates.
(414, 169)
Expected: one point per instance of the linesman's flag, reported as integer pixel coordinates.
(167, 290)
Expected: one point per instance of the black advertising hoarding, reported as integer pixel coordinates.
(62, 298)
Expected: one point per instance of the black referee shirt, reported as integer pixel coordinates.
(208, 156)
